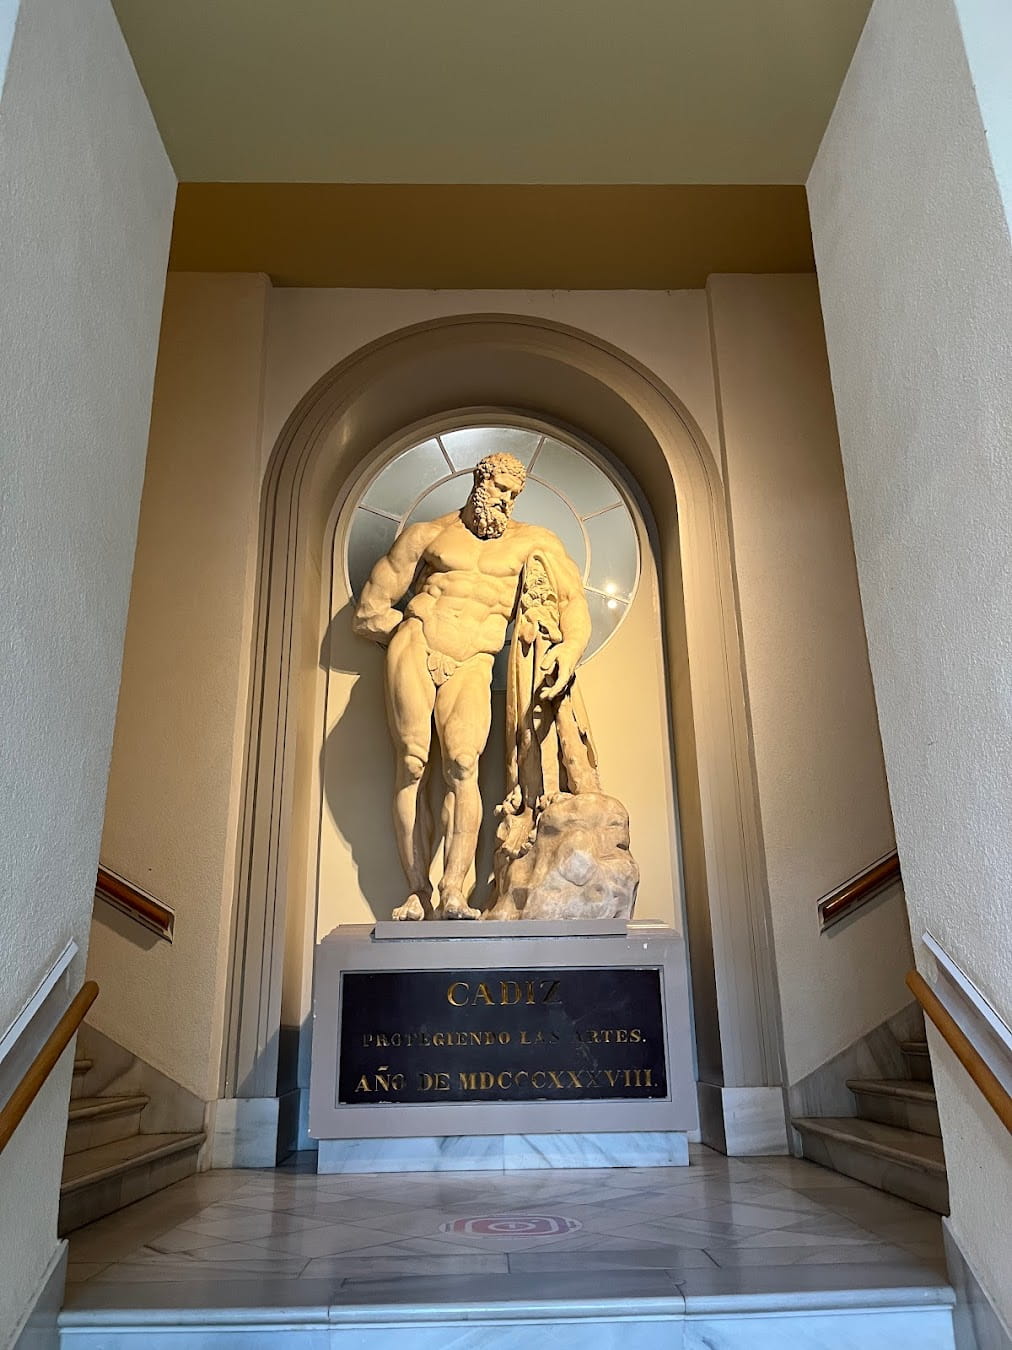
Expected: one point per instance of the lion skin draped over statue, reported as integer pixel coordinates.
(562, 844)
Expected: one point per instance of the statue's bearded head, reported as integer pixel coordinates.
(498, 482)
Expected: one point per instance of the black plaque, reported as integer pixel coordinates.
(577, 1034)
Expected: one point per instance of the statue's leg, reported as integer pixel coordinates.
(410, 700)
(463, 716)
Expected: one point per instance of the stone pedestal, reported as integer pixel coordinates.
(488, 1046)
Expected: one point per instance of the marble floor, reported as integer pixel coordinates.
(798, 1223)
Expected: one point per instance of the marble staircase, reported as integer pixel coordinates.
(110, 1159)
(894, 1141)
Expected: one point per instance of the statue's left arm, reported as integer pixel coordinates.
(574, 621)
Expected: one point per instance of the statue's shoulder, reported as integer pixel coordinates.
(422, 532)
(536, 537)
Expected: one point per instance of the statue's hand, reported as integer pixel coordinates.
(561, 664)
(378, 627)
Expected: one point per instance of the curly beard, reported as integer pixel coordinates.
(490, 518)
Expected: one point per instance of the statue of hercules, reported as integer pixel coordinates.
(465, 569)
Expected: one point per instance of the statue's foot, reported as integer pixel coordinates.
(412, 909)
(456, 907)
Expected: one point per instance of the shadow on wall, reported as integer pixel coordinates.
(357, 775)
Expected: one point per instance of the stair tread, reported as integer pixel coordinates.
(910, 1089)
(904, 1146)
(90, 1108)
(914, 1047)
(106, 1160)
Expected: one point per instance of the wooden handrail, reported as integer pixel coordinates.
(859, 889)
(42, 1065)
(967, 1054)
(131, 900)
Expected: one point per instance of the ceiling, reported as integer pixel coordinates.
(492, 91)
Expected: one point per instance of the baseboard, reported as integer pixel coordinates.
(244, 1132)
(38, 1330)
(977, 1323)
(742, 1121)
(172, 1108)
(824, 1091)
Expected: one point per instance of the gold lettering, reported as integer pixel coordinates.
(457, 1002)
(481, 995)
(509, 992)
(574, 1079)
(363, 1085)
(553, 989)
(622, 1037)
(486, 1081)
(523, 1038)
(636, 1035)
(505, 1079)
(612, 1076)
(504, 1038)
(468, 1081)
(538, 1079)
(556, 1080)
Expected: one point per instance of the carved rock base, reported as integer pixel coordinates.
(578, 865)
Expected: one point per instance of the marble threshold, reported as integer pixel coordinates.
(728, 1252)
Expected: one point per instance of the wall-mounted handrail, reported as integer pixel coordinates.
(129, 899)
(859, 889)
(42, 1065)
(961, 1047)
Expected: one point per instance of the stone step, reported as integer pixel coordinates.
(918, 1060)
(102, 1120)
(903, 1102)
(82, 1067)
(831, 1307)
(100, 1180)
(901, 1162)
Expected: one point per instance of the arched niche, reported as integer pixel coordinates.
(571, 379)
(623, 677)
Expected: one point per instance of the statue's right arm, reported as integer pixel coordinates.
(376, 617)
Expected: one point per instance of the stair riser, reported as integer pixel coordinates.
(78, 1084)
(909, 1183)
(927, 1328)
(95, 1130)
(922, 1117)
(100, 1198)
(918, 1066)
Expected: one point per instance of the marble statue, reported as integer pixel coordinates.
(562, 845)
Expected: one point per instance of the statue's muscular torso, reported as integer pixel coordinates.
(466, 588)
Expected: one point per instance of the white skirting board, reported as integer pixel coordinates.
(504, 1153)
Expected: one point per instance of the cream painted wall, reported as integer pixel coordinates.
(360, 878)
(915, 271)
(818, 757)
(85, 216)
(174, 786)
(312, 330)
(194, 588)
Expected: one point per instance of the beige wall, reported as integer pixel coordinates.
(915, 272)
(85, 216)
(173, 805)
(818, 758)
